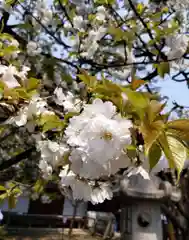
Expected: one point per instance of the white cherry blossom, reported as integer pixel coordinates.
(68, 100)
(33, 49)
(8, 76)
(45, 168)
(78, 22)
(101, 13)
(52, 152)
(181, 43)
(83, 190)
(45, 199)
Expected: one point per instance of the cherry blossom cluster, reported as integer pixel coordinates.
(92, 145)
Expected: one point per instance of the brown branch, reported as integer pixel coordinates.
(65, 12)
(162, 55)
(176, 221)
(16, 159)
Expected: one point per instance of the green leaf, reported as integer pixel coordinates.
(131, 151)
(9, 2)
(11, 201)
(32, 84)
(137, 99)
(180, 124)
(2, 188)
(39, 186)
(179, 152)
(51, 122)
(140, 8)
(179, 128)
(163, 68)
(108, 89)
(3, 197)
(154, 109)
(16, 191)
(22, 93)
(154, 155)
(70, 115)
(174, 150)
(112, 87)
(90, 81)
(151, 132)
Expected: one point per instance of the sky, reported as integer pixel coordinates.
(176, 91)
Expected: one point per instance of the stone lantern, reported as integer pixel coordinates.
(141, 201)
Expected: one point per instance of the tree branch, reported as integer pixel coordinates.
(16, 159)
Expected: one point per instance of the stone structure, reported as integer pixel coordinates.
(141, 215)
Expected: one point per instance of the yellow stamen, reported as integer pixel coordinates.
(107, 136)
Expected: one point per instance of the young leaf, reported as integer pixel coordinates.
(179, 153)
(154, 155)
(3, 196)
(180, 124)
(32, 84)
(151, 133)
(179, 128)
(2, 188)
(153, 110)
(90, 81)
(51, 122)
(163, 68)
(39, 186)
(137, 99)
(69, 115)
(174, 150)
(136, 83)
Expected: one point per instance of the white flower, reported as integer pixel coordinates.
(14, 43)
(52, 152)
(34, 196)
(96, 35)
(89, 169)
(45, 199)
(45, 168)
(35, 108)
(24, 72)
(33, 49)
(99, 107)
(99, 136)
(82, 190)
(178, 45)
(47, 17)
(101, 193)
(8, 76)
(22, 118)
(14, 53)
(68, 101)
(67, 25)
(101, 13)
(91, 50)
(78, 22)
(121, 74)
(67, 177)
(90, 45)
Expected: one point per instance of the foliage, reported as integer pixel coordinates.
(77, 81)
